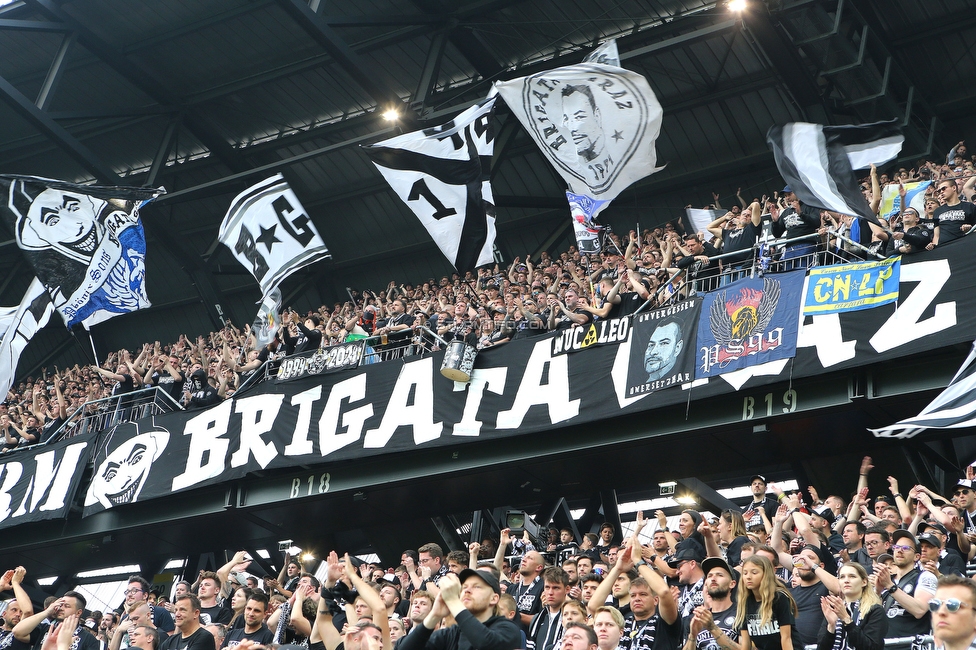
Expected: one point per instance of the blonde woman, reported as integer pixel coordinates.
(766, 611)
(855, 621)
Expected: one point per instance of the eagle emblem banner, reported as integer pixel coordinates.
(749, 322)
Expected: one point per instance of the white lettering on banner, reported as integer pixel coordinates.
(258, 414)
(492, 379)
(824, 333)
(54, 479)
(11, 474)
(352, 389)
(903, 326)
(300, 443)
(205, 431)
(618, 375)
(531, 390)
(415, 376)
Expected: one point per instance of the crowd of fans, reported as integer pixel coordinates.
(525, 298)
(783, 571)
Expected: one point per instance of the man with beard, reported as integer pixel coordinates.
(691, 581)
(563, 315)
(254, 629)
(713, 624)
(471, 598)
(190, 634)
(813, 584)
(30, 630)
(17, 608)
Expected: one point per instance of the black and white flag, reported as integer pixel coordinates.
(442, 174)
(954, 408)
(17, 326)
(269, 232)
(606, 54)
(597, 124)
(818, 162)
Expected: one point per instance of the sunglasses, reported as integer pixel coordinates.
(958, 492)
(951, 604)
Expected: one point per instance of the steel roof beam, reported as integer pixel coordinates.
(322, 33)
(57, 134)
(143, 80)
(53, 78)
(379, 20)
(32, 25)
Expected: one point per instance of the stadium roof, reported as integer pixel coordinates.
(207, 97)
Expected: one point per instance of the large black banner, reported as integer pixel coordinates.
(516, 389)
(40, 482)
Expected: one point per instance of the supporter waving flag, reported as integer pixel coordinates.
(17, 326)
(954, 408)
(596, 123)
(818, 162)
(269, 232)
(84, 242)
(442, 174)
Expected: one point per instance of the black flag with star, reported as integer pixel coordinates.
(442, 174)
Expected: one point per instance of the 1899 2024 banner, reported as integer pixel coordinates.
(516, 389)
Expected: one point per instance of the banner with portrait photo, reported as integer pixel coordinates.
(661, 354)
(748, 323)
(85, 243)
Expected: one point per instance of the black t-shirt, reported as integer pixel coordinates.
(794, 224)
(165, 381)
(725, 621)
(630, 302)
(83, 640)
(34, 639)
(740, 239)
(215, 614)
(809, 614)
(528, 599)
(126, 385)
(199, 640)
(652, 634)
(767, 636)
(563, 322)
(263, 636)
(950, 218)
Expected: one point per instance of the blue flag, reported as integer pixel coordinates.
(748, 323)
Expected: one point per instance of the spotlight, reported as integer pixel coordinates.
(687, 500)
(737, 6)
(308, 557)
(391, 115)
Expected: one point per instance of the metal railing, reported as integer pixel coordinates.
(108, 412)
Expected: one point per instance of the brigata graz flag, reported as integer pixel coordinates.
(18, 326)
(85, 243)
(269, 232)
(596, 124)
(954, 408)
(442, 174)
(818, 161)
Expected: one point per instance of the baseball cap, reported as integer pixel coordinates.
(930, 539)
(760, 477)
(710, 563)
(965, 482)
(687, 553)
(884, 557)
(933, 525)
(824, 512)
(902, 534)
(787, 189)
(485, 576)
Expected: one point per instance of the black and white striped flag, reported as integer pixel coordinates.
(818, 162)
(442, 174)
(954, 408)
